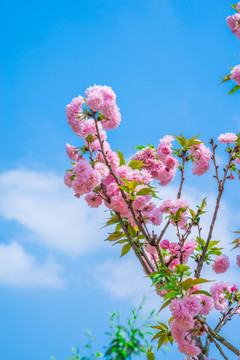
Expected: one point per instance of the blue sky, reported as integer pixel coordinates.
(164, 59)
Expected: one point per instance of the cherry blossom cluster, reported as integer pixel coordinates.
(173, 254)
(186, 325)
(233, 22)
(127, 190)
(160, 164)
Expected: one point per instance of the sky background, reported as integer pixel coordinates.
(164, 59)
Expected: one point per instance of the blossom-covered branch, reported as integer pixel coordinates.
(130, 193)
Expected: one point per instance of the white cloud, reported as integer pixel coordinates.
(124, 278)
(19, 268)
(45, 206)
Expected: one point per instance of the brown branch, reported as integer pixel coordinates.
(133, 245)
(227, 317)
(182, 174)
(220, 193)
(117, 181)
(222, 340)
(217, 345)
(163, 232)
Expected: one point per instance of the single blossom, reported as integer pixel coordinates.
(221, 264)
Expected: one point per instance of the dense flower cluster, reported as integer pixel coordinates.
(103, 176)
(233, 24)
(161, 164)
(185, 324)
(202, 156)
(219, 293)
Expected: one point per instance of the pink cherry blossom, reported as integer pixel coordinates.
(234, 288)
(73, 112)
(202, 156)
(207, 304)
(218, 293)
(164, 244)
(93, 200)
(72, 152)
(233, 24)
(227, 138)
(221, 264)
(235, 73)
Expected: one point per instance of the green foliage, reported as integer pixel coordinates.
(236, 241)
(234, 89)
(175, 287)
(126, 341)
(211, 250)
(121, 158)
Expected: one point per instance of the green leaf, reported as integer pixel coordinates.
(98, 354)
(159, 334)
(126, 248)
(163, 325)
(121, 158)
(186, 284)
(113, 220)
(180, 268)
(131, 231)
(145, 191)
(139, 147)
(165, 304)
(171, 294)
(201, 292)
(192, 213)
(200, 281)
(180, 140)
(135, 164)
(124, 188)
(212, 244)
(234, 7)
(161, 341)
(234, 89)
(115, 236)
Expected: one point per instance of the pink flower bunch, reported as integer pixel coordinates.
(87, 127)
(173, 253)
(235, 73)
(83, 178)
(207, 304)
(74, 113)
(93, 200)
(172, 206)
(228, 137)
(221, 264)
(161, 164)
(202, 156)
(102, 98)
(141, 202)
(233, 24)
(218, 291)
(73, 153)
(184, 312)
